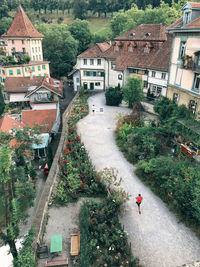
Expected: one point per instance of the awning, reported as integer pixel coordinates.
(43, 139)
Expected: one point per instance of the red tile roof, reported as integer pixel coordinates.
(150, 32)
(193, 24)
(96, 51)
(7, 124)
(40, 117)
(194, 4)
(21, 84)
(22, 26)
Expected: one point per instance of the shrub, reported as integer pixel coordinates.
(113, 96)
(60, 20)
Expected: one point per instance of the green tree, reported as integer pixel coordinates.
(79, 29)
(59, 47)
(2, 103)
(5, 24)
(133, 91)
(80, 8)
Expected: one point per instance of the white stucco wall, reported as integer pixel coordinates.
(18, 97)
(43, 106)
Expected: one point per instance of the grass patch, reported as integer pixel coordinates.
(99, 26)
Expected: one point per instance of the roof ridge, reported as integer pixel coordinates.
(23, 14)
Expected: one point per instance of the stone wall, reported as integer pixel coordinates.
(40, 220)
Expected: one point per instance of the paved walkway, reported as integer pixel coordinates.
(157, 238)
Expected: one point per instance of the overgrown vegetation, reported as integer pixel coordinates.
(113, 96)
(103, 241)
(173, 176)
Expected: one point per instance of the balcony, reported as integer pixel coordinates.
(187, 62)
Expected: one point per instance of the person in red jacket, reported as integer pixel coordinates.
(139, 199)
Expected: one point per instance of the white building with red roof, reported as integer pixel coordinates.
(143, 51)
(20, 39)
(184, 72)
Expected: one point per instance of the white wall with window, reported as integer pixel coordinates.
(76, 80)
(157, 82)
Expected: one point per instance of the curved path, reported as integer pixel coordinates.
(157, 238)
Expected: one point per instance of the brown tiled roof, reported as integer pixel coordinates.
(162, 57)
(194, 4)
(7, 124)
(96, 51)
(22, 26)
(21, 84)
(193, 24)
(157, 33)
(179, 24)
(40, 117)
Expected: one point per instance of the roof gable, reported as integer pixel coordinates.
(22, 26)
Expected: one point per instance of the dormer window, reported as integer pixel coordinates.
(146, 49)
(187, 17)
(132, 34)
(130, 49)
(116, 48)
(147, 34)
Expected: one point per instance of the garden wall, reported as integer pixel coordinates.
(41, 212)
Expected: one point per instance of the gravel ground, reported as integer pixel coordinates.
(158, 238)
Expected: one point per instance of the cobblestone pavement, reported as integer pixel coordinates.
(158, 238)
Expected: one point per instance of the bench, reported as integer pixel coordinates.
(57, 263)
(42, 251)
(75, 244)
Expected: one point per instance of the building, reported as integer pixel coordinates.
(138, 51)
(184, 72)
(23, 39)
(36, 92)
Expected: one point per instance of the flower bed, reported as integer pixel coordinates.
(77, 175)
(103, 241)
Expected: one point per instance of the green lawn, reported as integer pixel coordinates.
(99, 25)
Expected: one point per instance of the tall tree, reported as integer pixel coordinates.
(79, 29)
(133, 90)
(80, 8)
(59, 47)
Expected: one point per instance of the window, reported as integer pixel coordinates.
(77, 80)
(39, 75)
(145, 72)
(33, 68)
(146, 49)
(175, 98)
(119, 77)
(3, 72)
(98, 61)
(112, 65)
(23, 50)
(10, 72)
(97, 84)
(159, 90)
(163, 76)
(85, 86)
(39, 56)
(18, 71)
(153, 74)
(36, 49)
(13, 41)
(22, 41)
(116, 48)
(26, 70)
(43, 67)
(197, 82)
(91, 61)
(130, 49)
(84, 61)
(102, 74)
(187, 17)
(94, 73)
(39, 67)
(145, 84)
(87, 73)
(33, 49)
(192, 106)
(34, 58)
(182, 49)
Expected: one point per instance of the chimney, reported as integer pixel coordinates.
(31, 74)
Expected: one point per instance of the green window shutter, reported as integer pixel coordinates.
(11, 72)
(44, 67)
(0, 79)
(87, 73)
(94, 73)
(18, 71)
(102, 74)
(38, 67)
(33, 68)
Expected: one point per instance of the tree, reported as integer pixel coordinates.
(59, 48)
(133, 91)
(2, 104)
(79, 29)
(80, 8)
(5, 24)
